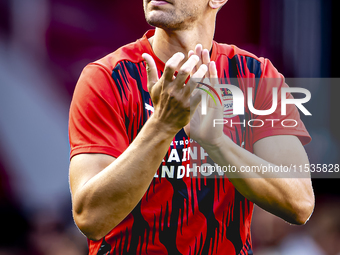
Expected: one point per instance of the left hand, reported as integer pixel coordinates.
(201, 127)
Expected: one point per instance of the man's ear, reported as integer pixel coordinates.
(217, 4)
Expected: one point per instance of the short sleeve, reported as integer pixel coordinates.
(276, 123)
(96, 117)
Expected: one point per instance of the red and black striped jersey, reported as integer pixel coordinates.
(180, 213)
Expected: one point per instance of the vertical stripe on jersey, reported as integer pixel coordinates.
(121, 75)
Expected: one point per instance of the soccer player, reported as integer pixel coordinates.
(131, 173)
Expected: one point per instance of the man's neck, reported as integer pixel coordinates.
(165, 44)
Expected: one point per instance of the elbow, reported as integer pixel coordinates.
(302, 211)
(88, 226)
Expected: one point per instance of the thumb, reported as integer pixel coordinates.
(151, 70)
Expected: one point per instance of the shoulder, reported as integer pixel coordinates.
(101, 74)
(131, 52)
(96, 77)
(232, 53)
(230, 50)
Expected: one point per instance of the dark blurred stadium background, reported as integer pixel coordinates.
(44, 44)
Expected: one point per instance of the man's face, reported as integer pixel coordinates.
(174, 14)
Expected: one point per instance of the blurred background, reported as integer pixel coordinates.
(44, 45)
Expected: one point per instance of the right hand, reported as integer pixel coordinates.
(171, 98)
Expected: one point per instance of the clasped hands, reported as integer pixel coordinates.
(177, 101)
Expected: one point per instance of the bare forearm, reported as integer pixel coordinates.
(108, 197)
(287, 195)
(104, 196)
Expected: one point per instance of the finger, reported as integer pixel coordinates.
(200, 73)
(151, 70)
(214, 81)
(196, 77)
(191, 53)
(185, 70)
(172, 65)
(206, 60)
(198, 50)
(213, 73)
(205, 56)
(213, 77)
